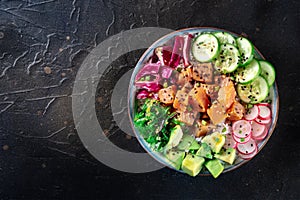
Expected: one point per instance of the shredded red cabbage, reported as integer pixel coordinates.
(143, 94)
(177, 51)
(164, 54)
(166, 72)
(186, 49)
(150, 86)
(148, 69)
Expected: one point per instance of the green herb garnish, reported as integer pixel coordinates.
(154, 122)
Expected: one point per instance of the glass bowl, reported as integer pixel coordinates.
(132, 91)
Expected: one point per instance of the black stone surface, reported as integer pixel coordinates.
(43, 43)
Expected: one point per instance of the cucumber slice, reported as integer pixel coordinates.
(228, 59)
(225, 38)
(246, 50)
(205, 47)
(254, 92)
(267, 71)
(247, 73)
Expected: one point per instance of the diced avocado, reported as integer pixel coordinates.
(188, 143)
(175, 157)
(204, 151)
(192, 164)
(185, 142)
(227, 155)
(175, 137)
(195, 145)
(215, 167)
(215, 141)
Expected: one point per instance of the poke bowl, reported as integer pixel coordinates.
(203, 101)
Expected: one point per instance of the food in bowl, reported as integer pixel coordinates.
(202, 101)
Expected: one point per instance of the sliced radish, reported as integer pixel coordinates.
(241, 128)
(264, 112)
(262, 121)
(264, 104)
(229, 142)
(247, 148)
(252, 113)
(249, 156)
(257, 129)
(262, 136)
(241, 140)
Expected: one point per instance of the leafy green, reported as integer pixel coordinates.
(154, 122)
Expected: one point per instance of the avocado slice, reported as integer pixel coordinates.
(192, 164)
(175, 137)
(215, 167)
(227, 155)
(215, 141)
(195, 145)
(175, 157)
(204, 151)
(188, 142)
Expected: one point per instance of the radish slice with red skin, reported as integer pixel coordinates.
(257, 129)
(241, 140)
(264, 122)
(262, 136)
(252, 113)
(264, 112)
(249, 156)
(241, 128)
(229, 142)
(264, 104)
(247, 148)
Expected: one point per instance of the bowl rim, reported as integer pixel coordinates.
(141, 60)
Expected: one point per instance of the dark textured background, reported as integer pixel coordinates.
(42, 44)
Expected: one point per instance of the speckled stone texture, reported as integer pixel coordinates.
(42, 45)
